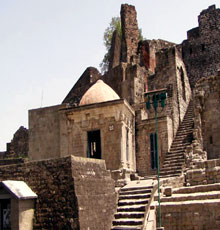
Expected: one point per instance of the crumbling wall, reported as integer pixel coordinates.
(207, 115)
(18, 147)
(73, 193)
(204, 172)
(128, 81)
(147, 50)
(201, 49)
(130, 33)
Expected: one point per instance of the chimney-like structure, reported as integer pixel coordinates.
(130, 33)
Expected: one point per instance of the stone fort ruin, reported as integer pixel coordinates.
(91, 161)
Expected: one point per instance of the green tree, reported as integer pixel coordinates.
(115, 24)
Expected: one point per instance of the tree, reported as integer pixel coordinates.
(115, 24)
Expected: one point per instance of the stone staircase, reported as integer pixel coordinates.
(174, 160)
(132, 205)
(194, 193)
(194, 207)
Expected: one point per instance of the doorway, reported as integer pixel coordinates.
(5, 214)
(94, 144)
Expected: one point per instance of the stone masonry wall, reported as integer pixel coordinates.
(207, 115)
(190, 216)
(143, 155)
(206, 172)
(73, 193)
(130, 33)
(201, 50)
(18, 147)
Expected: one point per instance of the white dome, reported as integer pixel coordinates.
(99, 92)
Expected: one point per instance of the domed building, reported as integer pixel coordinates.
(101, 127)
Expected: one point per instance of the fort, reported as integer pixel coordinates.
(92, 161)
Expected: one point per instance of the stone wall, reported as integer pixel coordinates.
(130, 33)
(143, 155)
(147, 50)
(192, 215)
(170, 73)
(73, 193)
(201, 49)
(207, 115)
(205, 172)
(18, 147)
(44, 132)
(128, 81)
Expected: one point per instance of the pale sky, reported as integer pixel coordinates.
(45, 46)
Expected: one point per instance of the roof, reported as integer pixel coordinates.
(19, 189)
(99, 92)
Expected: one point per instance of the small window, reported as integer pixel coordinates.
(153, 150)
(203, 47)
(210, 140)
(190, 50)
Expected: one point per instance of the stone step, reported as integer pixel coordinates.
(174, 157)
(198, 188)
(191, 196)
(177, 150)
(129, 215)
(133, 208)
(170, 175)
(126, 227)
(191, 202)
(128, 222)
(132, 202)
(171, 168)
(134, 196)
(170, 172)
(174, 161)
(137, 191)
(135, 188)
(173, 164)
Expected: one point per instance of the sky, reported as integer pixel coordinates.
(45, 46)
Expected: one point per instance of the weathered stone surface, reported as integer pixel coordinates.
(201, 49)
(73, 193)
(130, 33)
(18, 147)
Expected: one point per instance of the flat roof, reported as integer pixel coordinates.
(19, 189)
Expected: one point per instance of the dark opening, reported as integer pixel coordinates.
(94, 144)
(5, 214)
(190, 50)
(203, 47)
(153, 150)
(210, 140)
(183, 84)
